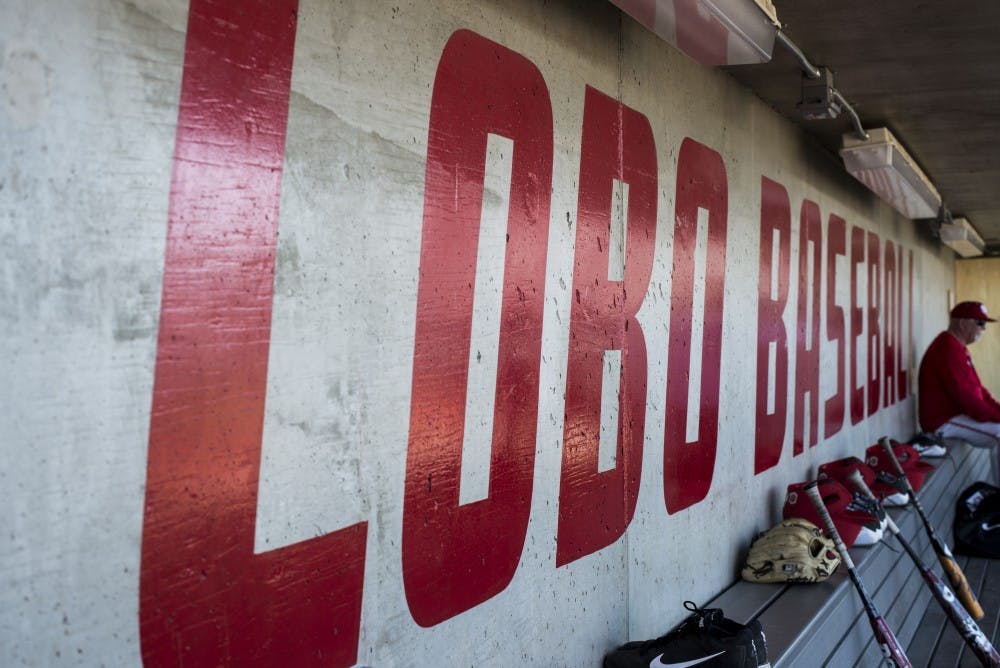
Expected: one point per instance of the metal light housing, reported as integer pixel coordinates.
(884, 166)
(819, 98)
(712, 32)
(961, 237)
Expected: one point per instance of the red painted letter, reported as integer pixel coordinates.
(807, 337)
(904, 358)
(772, 286)
(595, 507)
(836, 246)
(891, 334)
(857, 391)
(205, 598)
(688, 465)
(455, 556)
(874, 334)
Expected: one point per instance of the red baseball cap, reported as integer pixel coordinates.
(855, 526)
(840, 469)
(972, 311)
(915, 469)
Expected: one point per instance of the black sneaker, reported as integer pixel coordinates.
(706, 639)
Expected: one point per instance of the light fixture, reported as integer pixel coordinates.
(960, 236)
(882, 164)
(819, 98)
(713, 32)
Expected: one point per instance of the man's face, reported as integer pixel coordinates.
(970, 330)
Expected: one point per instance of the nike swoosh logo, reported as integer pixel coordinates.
(990, 527)
(658, 661)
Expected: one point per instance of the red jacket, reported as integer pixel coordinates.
(950, 386)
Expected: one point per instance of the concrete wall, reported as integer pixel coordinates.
(316, 360)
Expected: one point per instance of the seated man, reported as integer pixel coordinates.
(953, 401)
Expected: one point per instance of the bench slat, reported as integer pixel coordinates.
(743, 601)
(810, 625)
(841, 621)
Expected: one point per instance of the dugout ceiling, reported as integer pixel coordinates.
(929, 71)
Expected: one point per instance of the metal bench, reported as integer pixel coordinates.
(812, 625)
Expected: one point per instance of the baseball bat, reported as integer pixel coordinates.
(957, 614)
(955, 575)
(884, 636)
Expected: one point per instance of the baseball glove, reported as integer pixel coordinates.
(794, 550)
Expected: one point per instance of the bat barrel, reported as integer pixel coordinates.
(884, 636)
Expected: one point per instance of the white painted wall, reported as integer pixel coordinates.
(88, 109)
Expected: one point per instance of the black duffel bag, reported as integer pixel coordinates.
(977, 521)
